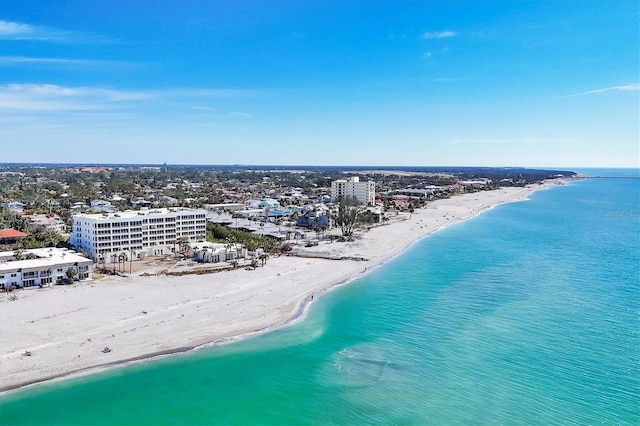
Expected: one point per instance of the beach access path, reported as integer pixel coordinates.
(63, 330)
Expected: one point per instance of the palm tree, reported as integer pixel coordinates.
(183, 243)
(325, 225)
(114, 257)
(70, 274)
(18, 255)
(231, 243)
(122, 258)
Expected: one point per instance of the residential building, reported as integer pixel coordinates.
(11, 236)
(170, 201)
(79, 205)
(365, 192)
(232, 207)
(217, 252)
(103, 206)
(15, 206)
(140, 202)
(53, 222)
(314, 220)
(427, 192)
(264, 203)
(105, 237)
(41, 267)
(475, 184)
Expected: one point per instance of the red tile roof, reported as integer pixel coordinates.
(11, 233)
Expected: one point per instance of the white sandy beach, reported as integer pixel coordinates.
(65, 328)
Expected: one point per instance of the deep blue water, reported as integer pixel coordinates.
(527, 314)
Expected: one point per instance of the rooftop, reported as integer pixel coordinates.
(47, 257)
(11, 233)
(129, 214)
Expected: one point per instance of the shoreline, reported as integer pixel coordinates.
(297, 282)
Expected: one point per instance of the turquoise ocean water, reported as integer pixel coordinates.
(527, 314)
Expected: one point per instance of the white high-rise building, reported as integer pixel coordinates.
(137, 233)
(365, 192)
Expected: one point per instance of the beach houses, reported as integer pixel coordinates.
(15, 206)
(11, 236)
(103, 206)
(207, 252)
(314, 219)
(475, 184)
(262, 204)
(42, 267)
(53, 222)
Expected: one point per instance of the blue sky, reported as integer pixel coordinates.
(488, 83)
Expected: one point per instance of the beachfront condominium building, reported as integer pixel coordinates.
(42, 267)
(365, 192)
(137, 233)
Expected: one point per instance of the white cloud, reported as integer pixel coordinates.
(240, 114)
(203, 93)
(14, 29)
(28, 105)
(439, 34)
(19, 31)
(23, 60)
(43, 97)
(626, 88)
(14, 60)
(54, 98)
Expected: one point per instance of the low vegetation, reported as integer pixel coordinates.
(222, 234)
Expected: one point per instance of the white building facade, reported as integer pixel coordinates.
(365, 192)
(137, 233)
(42, 267)
(208, 252)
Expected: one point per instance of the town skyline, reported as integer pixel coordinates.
(523, 84)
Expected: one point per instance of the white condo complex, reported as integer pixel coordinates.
(365, 192)
(136, 233)
(42, 267)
